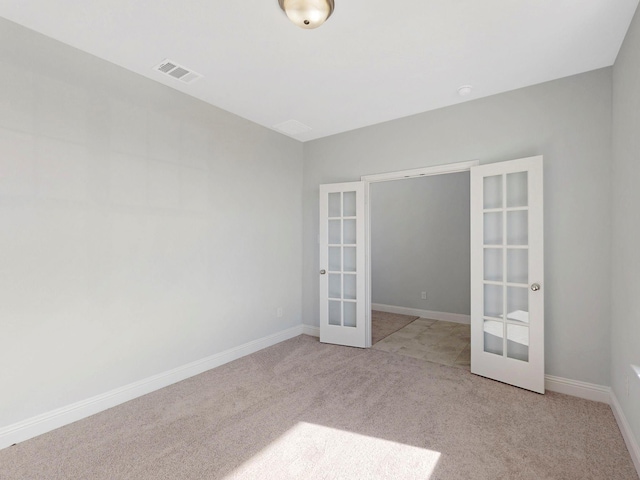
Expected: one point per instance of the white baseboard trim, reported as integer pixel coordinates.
(576, 388)
(32, 427)
(629, 438)
(443, 316)
(312, 331)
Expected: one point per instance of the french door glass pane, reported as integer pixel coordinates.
(493, 303)
(334, 204)
(493, 337)
(349, 209)
(350, 287)
(517, 265)
(334, 312)
(349, 259)
(493, 228)
(349, 314)
(349, 232)
(518, 227)
(518, 342)
(517, 190)
(493, 264)
(518, 304)
(493, 192)
(335, 285)
(335, 259)
(335, 232)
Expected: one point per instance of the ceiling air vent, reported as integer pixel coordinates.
(292, 127)
(171, 68)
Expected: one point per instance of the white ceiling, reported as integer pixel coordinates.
(372, 61)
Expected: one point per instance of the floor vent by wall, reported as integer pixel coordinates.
(173, 69)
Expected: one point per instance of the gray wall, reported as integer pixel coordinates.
(625, 329)
(140, 230)
(420, 243)
(569, 122)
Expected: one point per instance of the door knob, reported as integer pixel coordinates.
(322, 272)
(535, 287)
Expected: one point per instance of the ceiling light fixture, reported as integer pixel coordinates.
(307, 13)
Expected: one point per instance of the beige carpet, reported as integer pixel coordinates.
(384, 324)
(305, 410)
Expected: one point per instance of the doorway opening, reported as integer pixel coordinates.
(419, 269)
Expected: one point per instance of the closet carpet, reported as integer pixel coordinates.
(384, 324)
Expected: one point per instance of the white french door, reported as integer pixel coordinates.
(507, 273)
(342, 264)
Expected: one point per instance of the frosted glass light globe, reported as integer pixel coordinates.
(307, 13)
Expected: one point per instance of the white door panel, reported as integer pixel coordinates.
(342, 264)
(507, 273)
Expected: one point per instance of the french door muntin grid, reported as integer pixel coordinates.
(342, 307)
(506, 246)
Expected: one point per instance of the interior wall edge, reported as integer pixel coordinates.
(633, 445)
(311, 330)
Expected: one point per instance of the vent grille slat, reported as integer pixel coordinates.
(189, 77)
(167, 67)
(178, 72)
(174, 70)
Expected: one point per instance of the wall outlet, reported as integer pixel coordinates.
(423, 295)
(279, 312)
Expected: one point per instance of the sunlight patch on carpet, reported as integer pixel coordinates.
(316, 451)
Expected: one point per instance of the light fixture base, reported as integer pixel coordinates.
(307, 13)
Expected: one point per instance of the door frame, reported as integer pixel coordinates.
(386, 177)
